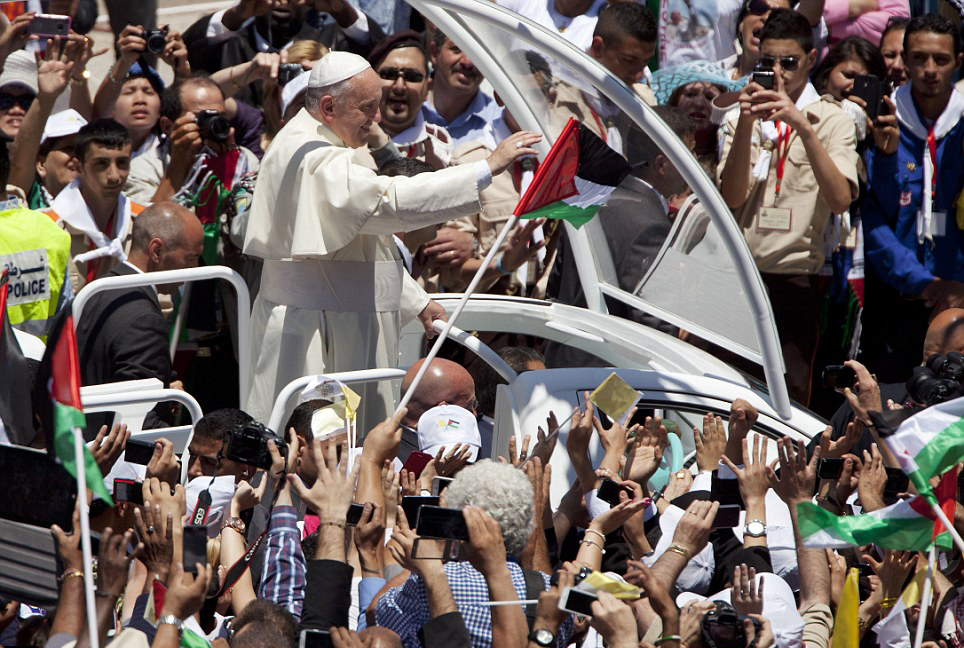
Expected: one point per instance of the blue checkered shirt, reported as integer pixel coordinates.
(283, 575)
(404, 609)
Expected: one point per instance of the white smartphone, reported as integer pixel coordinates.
(576, 601)
(439, 484)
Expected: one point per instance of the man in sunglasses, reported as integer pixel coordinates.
(789, 162)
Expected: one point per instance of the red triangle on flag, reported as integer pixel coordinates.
(554, 180)
(65, 368)
(946, 493)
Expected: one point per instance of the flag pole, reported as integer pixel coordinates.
(458, 310)
(925, 600)
(949, 526)
(84, 532)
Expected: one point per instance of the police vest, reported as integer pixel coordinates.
(35, 251)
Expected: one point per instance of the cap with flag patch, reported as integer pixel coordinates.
(63, 123)
(447, 425)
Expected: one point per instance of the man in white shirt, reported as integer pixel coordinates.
(574, 20)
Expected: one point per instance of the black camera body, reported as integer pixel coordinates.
(723, 627)
(940, 379)
(213, 125)
(248, 444)
(288, 71)
(156, 39)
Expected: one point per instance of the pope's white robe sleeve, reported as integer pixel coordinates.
(414, 299)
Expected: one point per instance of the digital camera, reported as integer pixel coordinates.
(213, 126)
(248, 444)
(156, 39)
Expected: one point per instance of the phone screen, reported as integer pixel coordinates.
(354, 514)
(727, 517)
(838, 377)
(830, 468)
(609, 492)
(138, 452)
(195, 547)
(36, 490)
(577, 601)
(897, 482)
(438, 522)
(128, 490)
(412, 504)
(315, 639)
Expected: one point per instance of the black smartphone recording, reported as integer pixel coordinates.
(412, 504)
(195, 547)
(727, 516)
(438, 522)
(830, 468)
(354, 514)
(838, 377)
(128, 490)
(609, 492)
(138, 452)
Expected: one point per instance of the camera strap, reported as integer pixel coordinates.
(203, 507)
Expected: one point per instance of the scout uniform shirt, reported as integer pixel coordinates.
(786, 230)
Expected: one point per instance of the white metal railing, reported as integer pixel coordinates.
(479, 348)
(185, 275)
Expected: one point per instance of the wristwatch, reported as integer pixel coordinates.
(170, 619)
(235, 523)
(755, 529)
(542, 637)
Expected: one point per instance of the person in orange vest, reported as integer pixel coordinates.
(93, 208)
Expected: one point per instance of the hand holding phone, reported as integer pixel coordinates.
(838, 377)
(576, 601)
(609, 491)
(195, 540)
(443, 523)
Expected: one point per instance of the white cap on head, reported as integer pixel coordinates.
(63, 123)
(293, 89)
(445, 426)
(20, 69)
(336, 66)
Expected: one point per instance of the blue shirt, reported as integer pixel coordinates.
(471, 124)
(404, 609)
(889, 213)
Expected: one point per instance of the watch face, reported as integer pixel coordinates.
(544, 637)
(755, 529)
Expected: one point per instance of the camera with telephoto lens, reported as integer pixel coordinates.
(248, 444)
(940, 379)
(213, 126)
(723, 627)
(156, 39)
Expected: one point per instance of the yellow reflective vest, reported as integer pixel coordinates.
(35, 251)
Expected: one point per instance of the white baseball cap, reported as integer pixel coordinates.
(20, 69)
(63, 123)
(444, 426)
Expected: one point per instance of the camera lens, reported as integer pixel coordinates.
(213, 126)
(926, 388)
(953, 368)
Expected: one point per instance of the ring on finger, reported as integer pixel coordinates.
(150, 530)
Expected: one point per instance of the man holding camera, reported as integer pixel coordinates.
(912, 214)
(789, 162)
(198, 135)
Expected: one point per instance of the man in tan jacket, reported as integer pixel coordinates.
(333, 292)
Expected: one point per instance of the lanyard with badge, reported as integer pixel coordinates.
(773, 218)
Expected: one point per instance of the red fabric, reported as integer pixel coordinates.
(555, 178)
(946, 493)
(65, 368)
(223, 167)
(311, 525)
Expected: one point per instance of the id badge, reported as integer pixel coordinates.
(775, 219)
(938, 223)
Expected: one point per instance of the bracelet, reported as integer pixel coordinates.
(594, 544)
(340, 525)
(106, 594)
(71, 574)
(680, 550)
(601, 535)
(887, 603)
(498, 266)
(668, 638)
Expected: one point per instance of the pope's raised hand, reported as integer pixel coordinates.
(512, 148)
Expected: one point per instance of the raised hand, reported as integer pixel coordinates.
(68, 545)
(186, 592)
(754, 483)
(873, 478)
(546, 441)
(331, 494)
(485, 549)
(711, 444)
(383, 440)
(797, 477)
(131, 45)
(867, 398)
(521, 248)
(693, 529)
(746, 593)
(16, 35)
(511, 149)
(369, 536)
(615, 621)
(113, 562)
(517, 458)
(893, 570)
(106, 448)
(164, 464)
(832, 449)
(156, 535)
(646, 451)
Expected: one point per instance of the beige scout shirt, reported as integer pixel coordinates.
(790, 238)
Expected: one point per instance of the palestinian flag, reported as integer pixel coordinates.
(905, 525)
(16, 378)
(926, 443)
(56, 399)
(576, 178)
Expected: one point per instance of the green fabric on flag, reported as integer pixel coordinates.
(212, 238)
(893, 527)
(66, 418)
(191, 640)
(942, 452)
(563, 211)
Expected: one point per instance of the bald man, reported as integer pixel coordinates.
(945, 334)
(122, 334)
(445, 383)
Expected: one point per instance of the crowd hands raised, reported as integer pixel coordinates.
(503, 568)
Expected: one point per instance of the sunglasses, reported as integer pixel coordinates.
(408, 74)
(758, 7)
(7, 101)
(788, 63)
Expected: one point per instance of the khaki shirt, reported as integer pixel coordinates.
(786, 234)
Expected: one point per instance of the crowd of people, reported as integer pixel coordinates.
(349, 160)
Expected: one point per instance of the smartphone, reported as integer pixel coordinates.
(863, 582)
(830, 468)
(764, 79)
(138, 452)
(872, 90)
(128, 490)
(727, 516)
(439, 484)
(438, 522)
(416, 462)
(49, 26)
(315, 639)
(411, 505)
(576, 601)
(897, 482)
(195, 547)
(354, 514)
(36, 490)
(838, 377)
(609, 491)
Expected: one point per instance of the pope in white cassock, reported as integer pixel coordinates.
(334, 292)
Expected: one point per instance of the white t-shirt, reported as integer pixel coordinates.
(577, 31)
